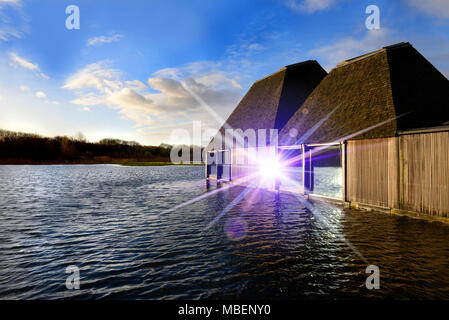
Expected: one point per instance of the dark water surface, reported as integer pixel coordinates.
(104, 220)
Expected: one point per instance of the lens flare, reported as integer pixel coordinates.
(236, 228)
(270, 168)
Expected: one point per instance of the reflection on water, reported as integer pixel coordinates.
(104, 219)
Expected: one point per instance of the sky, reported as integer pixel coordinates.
(140, 70)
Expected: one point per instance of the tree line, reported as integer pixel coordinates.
(18, 147)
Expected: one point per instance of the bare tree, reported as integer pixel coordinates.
(79, 136)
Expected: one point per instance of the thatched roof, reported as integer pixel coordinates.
(368, 90)
(271, 101)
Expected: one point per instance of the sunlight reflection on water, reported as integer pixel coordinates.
(104, 219)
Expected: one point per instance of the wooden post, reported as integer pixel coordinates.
(400, 177)
(311, 173)
(344, 174)
(219, 165)
(228, 157)
(277, 181)
(303, 149)
(230, 163)
(307, 171)
(207, 166)
(207, 170)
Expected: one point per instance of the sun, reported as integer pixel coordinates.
(270, 168)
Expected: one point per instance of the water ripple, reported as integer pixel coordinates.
(105, 220)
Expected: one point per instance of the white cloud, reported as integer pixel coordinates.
(18, 61)
(438, 8)
(174, 95)
(97, 76)
(40, 94)
(21, 62)
(24, 88)
(98, 84)
(131, 99)
(351, 47)
(218, 89)
(309, 6)
(95, 41)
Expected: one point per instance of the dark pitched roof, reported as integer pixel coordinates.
(271, 101)
(371, 89)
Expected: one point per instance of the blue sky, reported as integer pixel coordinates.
(130, 70)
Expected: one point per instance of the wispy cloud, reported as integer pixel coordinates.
(309, 6)
(21, 62)
(24, 88)
(6, 33)
(43, 96)
(244, 49)
(9, 2)
(96, 41)
(10, 29)
(349, 47)
(135, 85)
(208, 73)
(437, 8)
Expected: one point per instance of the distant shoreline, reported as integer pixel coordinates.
(121, 163)
(152, 164)
(18, 148)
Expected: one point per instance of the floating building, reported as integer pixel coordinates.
(271, 102)
(267, 106)
(382, 118)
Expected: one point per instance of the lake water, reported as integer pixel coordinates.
(105, 220)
